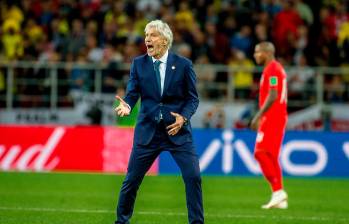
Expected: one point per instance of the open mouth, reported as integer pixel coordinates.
(150, 47)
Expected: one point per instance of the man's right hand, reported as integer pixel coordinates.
(123, 109)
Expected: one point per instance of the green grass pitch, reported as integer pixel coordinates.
(74, 198)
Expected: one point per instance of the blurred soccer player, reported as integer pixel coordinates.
(270, 121)
(166, 84)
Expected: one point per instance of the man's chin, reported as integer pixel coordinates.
(150, 53)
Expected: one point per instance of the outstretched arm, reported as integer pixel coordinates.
(132, 90)
(132, 94)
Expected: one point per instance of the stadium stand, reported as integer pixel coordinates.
(54, 51)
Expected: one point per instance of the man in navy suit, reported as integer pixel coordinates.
(165, 82)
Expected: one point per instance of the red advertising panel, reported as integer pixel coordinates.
(340, 125)
(60, 148)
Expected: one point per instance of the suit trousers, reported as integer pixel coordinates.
(141, 159)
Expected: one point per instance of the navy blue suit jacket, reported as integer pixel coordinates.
(179, 96)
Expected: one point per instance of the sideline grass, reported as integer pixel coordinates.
(73, 198)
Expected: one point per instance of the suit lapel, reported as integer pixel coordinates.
(170, 69)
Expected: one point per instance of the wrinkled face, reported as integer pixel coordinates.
(259, 55)
(156, 43)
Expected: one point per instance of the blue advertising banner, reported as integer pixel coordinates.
(230, 152)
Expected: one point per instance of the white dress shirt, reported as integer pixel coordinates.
(162, 69)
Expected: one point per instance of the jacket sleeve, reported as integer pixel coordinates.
(132, 90)
(191, 99)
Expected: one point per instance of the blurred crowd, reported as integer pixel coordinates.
(305, 32)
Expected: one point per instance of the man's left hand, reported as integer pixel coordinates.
(175, 127)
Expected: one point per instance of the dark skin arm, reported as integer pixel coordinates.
(272, 96)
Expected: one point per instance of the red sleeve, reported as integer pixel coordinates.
(272, 77)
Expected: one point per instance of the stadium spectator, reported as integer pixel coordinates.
(343, 41)
(218, 44)
(92, 28)
(200, 46)
(94, 53)
(304, 12)
(36, 42)
(242, 40)
(130, 51)
(264, 19)
(212, 16)
(184, 50)
(77, 38)
(272, 7)
(261, 33)
(270, 121)
(218, 22)
(149, 6)
(13, 12)
(325, 50)
(342, 15)
(301, 80)
(285, 28)
(58, 34)
(46, 14)
(108, 36)
(184, 17)
(301, 44)
(206, 78)
(328, 20)
(242, 79)
(111, 76)
(139, 24)
(12, 40)
(31, 28)
(80, 76)
(335, 89)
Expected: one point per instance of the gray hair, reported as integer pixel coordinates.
(164, 30)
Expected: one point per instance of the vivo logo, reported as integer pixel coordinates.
(231, 147)
(17, 158)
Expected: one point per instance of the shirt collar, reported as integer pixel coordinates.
(163, 59)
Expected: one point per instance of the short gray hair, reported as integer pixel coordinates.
(164, 30)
